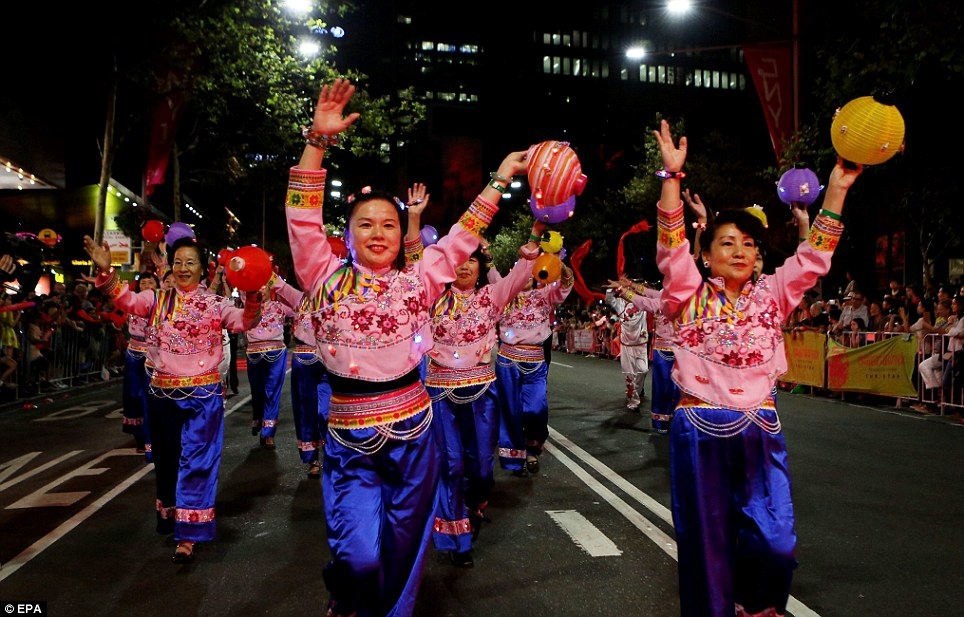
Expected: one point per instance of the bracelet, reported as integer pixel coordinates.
(666, 175)
(534, 238)
(495, 176)
(830, 214)
(700, 226)
(801, 239)
(318, 140)
(494, 183)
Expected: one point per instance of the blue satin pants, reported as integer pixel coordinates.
(135, 396)
(266, 374)
(524, 408)
(310, 400)
(733, 515)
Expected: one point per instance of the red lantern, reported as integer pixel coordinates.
(547, 268)
(224, 256)
(249, 268)
(338, 247)
(153, 231)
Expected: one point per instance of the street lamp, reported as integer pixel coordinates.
(768, 69)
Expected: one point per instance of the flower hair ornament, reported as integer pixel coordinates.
(367, 190)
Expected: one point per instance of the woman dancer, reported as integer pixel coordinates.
(136, 374)
(371, 330)
(731, 500)
(186, 404)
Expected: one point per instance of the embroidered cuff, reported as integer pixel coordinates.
(825, 233)
(306, 188)
(414, 250)
(477, 218)
(671, 227)
(109, 283)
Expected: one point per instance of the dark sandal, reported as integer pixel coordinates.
(184, 553)
(314, 469)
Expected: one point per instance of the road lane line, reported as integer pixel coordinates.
(586, 535)
(642, 523)
(35, 470)
(624, 485)
(67, 526)
(795, 608)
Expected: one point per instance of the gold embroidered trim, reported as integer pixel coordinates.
(160, 380)
(354, 412)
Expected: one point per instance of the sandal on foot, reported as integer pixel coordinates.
(532, 464)
(314, 469)
(184, 553)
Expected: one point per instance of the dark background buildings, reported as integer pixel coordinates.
(496, 76)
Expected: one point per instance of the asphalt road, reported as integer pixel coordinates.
(878, 493)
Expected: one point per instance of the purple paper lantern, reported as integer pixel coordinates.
(177, 231)
(429, 235)
(799, 185)
(553, 214)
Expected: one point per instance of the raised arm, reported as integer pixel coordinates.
(310, 250)
(416, 204)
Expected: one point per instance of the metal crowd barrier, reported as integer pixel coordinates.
(73, 357)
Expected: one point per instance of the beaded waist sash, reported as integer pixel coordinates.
(691, 406)
(354, 412)
(137, 345)
(439, 376)
(522, 353)
(263, 346)
(302, 348)
(170, 382)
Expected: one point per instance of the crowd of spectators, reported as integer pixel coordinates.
(58, 340)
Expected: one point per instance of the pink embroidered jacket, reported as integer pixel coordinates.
(183, 330)
(137, 333)
(731, 356)
(525, 320)
(372, 326)
(270, 330)
(300, 303)
(464, 328)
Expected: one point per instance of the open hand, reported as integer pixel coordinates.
(100, 255)
(329, 118)
(673, 157)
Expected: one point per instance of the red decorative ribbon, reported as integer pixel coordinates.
(639, 227)
(579, 284)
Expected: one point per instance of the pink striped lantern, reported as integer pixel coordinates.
(555, 177)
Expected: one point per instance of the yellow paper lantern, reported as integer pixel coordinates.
(551, 242)
(867, 131)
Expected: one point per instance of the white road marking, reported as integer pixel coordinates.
(795, 608)
(67, 526)
(586, 535)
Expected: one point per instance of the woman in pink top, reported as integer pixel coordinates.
(522, 372)
(459, 379)
(186, 403)
(731, 498)
(372, 328)
(267, 363)
(136, 374)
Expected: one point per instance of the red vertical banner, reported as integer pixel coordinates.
(164, 119)
(771, 68)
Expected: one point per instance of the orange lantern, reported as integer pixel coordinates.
(48, 237)
(547, 268)
(867, 131)
(249, 268)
